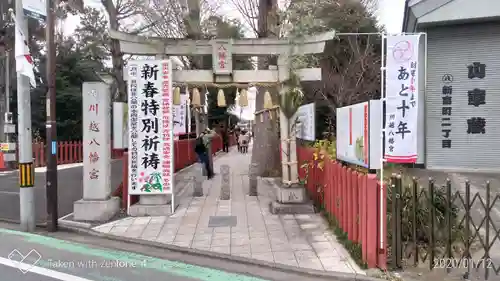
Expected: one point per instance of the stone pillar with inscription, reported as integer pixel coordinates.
(96, 204)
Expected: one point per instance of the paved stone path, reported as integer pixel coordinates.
(245, 228)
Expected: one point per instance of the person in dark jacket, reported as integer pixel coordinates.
(225, 140)
(201, 151)
(237, 133)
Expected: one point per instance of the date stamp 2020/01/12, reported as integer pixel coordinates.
(453, 263)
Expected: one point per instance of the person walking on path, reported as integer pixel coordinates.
(244, 140)
(207, 138)
(237, 134)
(201, 151)
(225, 140)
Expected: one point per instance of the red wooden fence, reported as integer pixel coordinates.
(353, 199)
(69, 152)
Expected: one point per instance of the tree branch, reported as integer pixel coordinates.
(249, 10)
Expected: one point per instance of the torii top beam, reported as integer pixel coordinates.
(143, 45)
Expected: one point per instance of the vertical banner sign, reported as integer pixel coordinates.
(350, 126)
(168, 129)
(179, 116)
(366, 133)
(96, 148)
(151, 127)
(401, 99)
(188, 112)
(306, 115)
(133, 118)
(120, 125)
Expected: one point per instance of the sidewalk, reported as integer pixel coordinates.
(241, 226)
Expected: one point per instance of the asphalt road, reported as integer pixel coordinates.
(12, 273)
(39, 258)
(70, 189)
(69, 256)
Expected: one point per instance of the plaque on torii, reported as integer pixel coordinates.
(222, 64)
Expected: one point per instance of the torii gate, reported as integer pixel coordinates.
(223, 72)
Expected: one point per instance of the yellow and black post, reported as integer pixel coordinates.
(26, 175)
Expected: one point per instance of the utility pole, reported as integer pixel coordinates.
(7, 92)
(51, 124)
(26, 173)
(4, 16)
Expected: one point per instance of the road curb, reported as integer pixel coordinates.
(10, 221)
(337, 276)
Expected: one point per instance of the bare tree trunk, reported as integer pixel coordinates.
(120, 87)
(266, 152)
(193, 28)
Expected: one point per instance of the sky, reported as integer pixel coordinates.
(390, 14)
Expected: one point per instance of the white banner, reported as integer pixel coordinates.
(179, 113)
(151, 144)
(352, 122)
(120, 125)
(401, 116)
(306, 115)
(188, 109)
(360, 124)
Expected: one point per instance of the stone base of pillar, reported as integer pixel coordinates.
(291, 200)
(197, 179)
(153, 205)
(96, 211)
(278, 208)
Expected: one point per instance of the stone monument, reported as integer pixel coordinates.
(97, 204)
